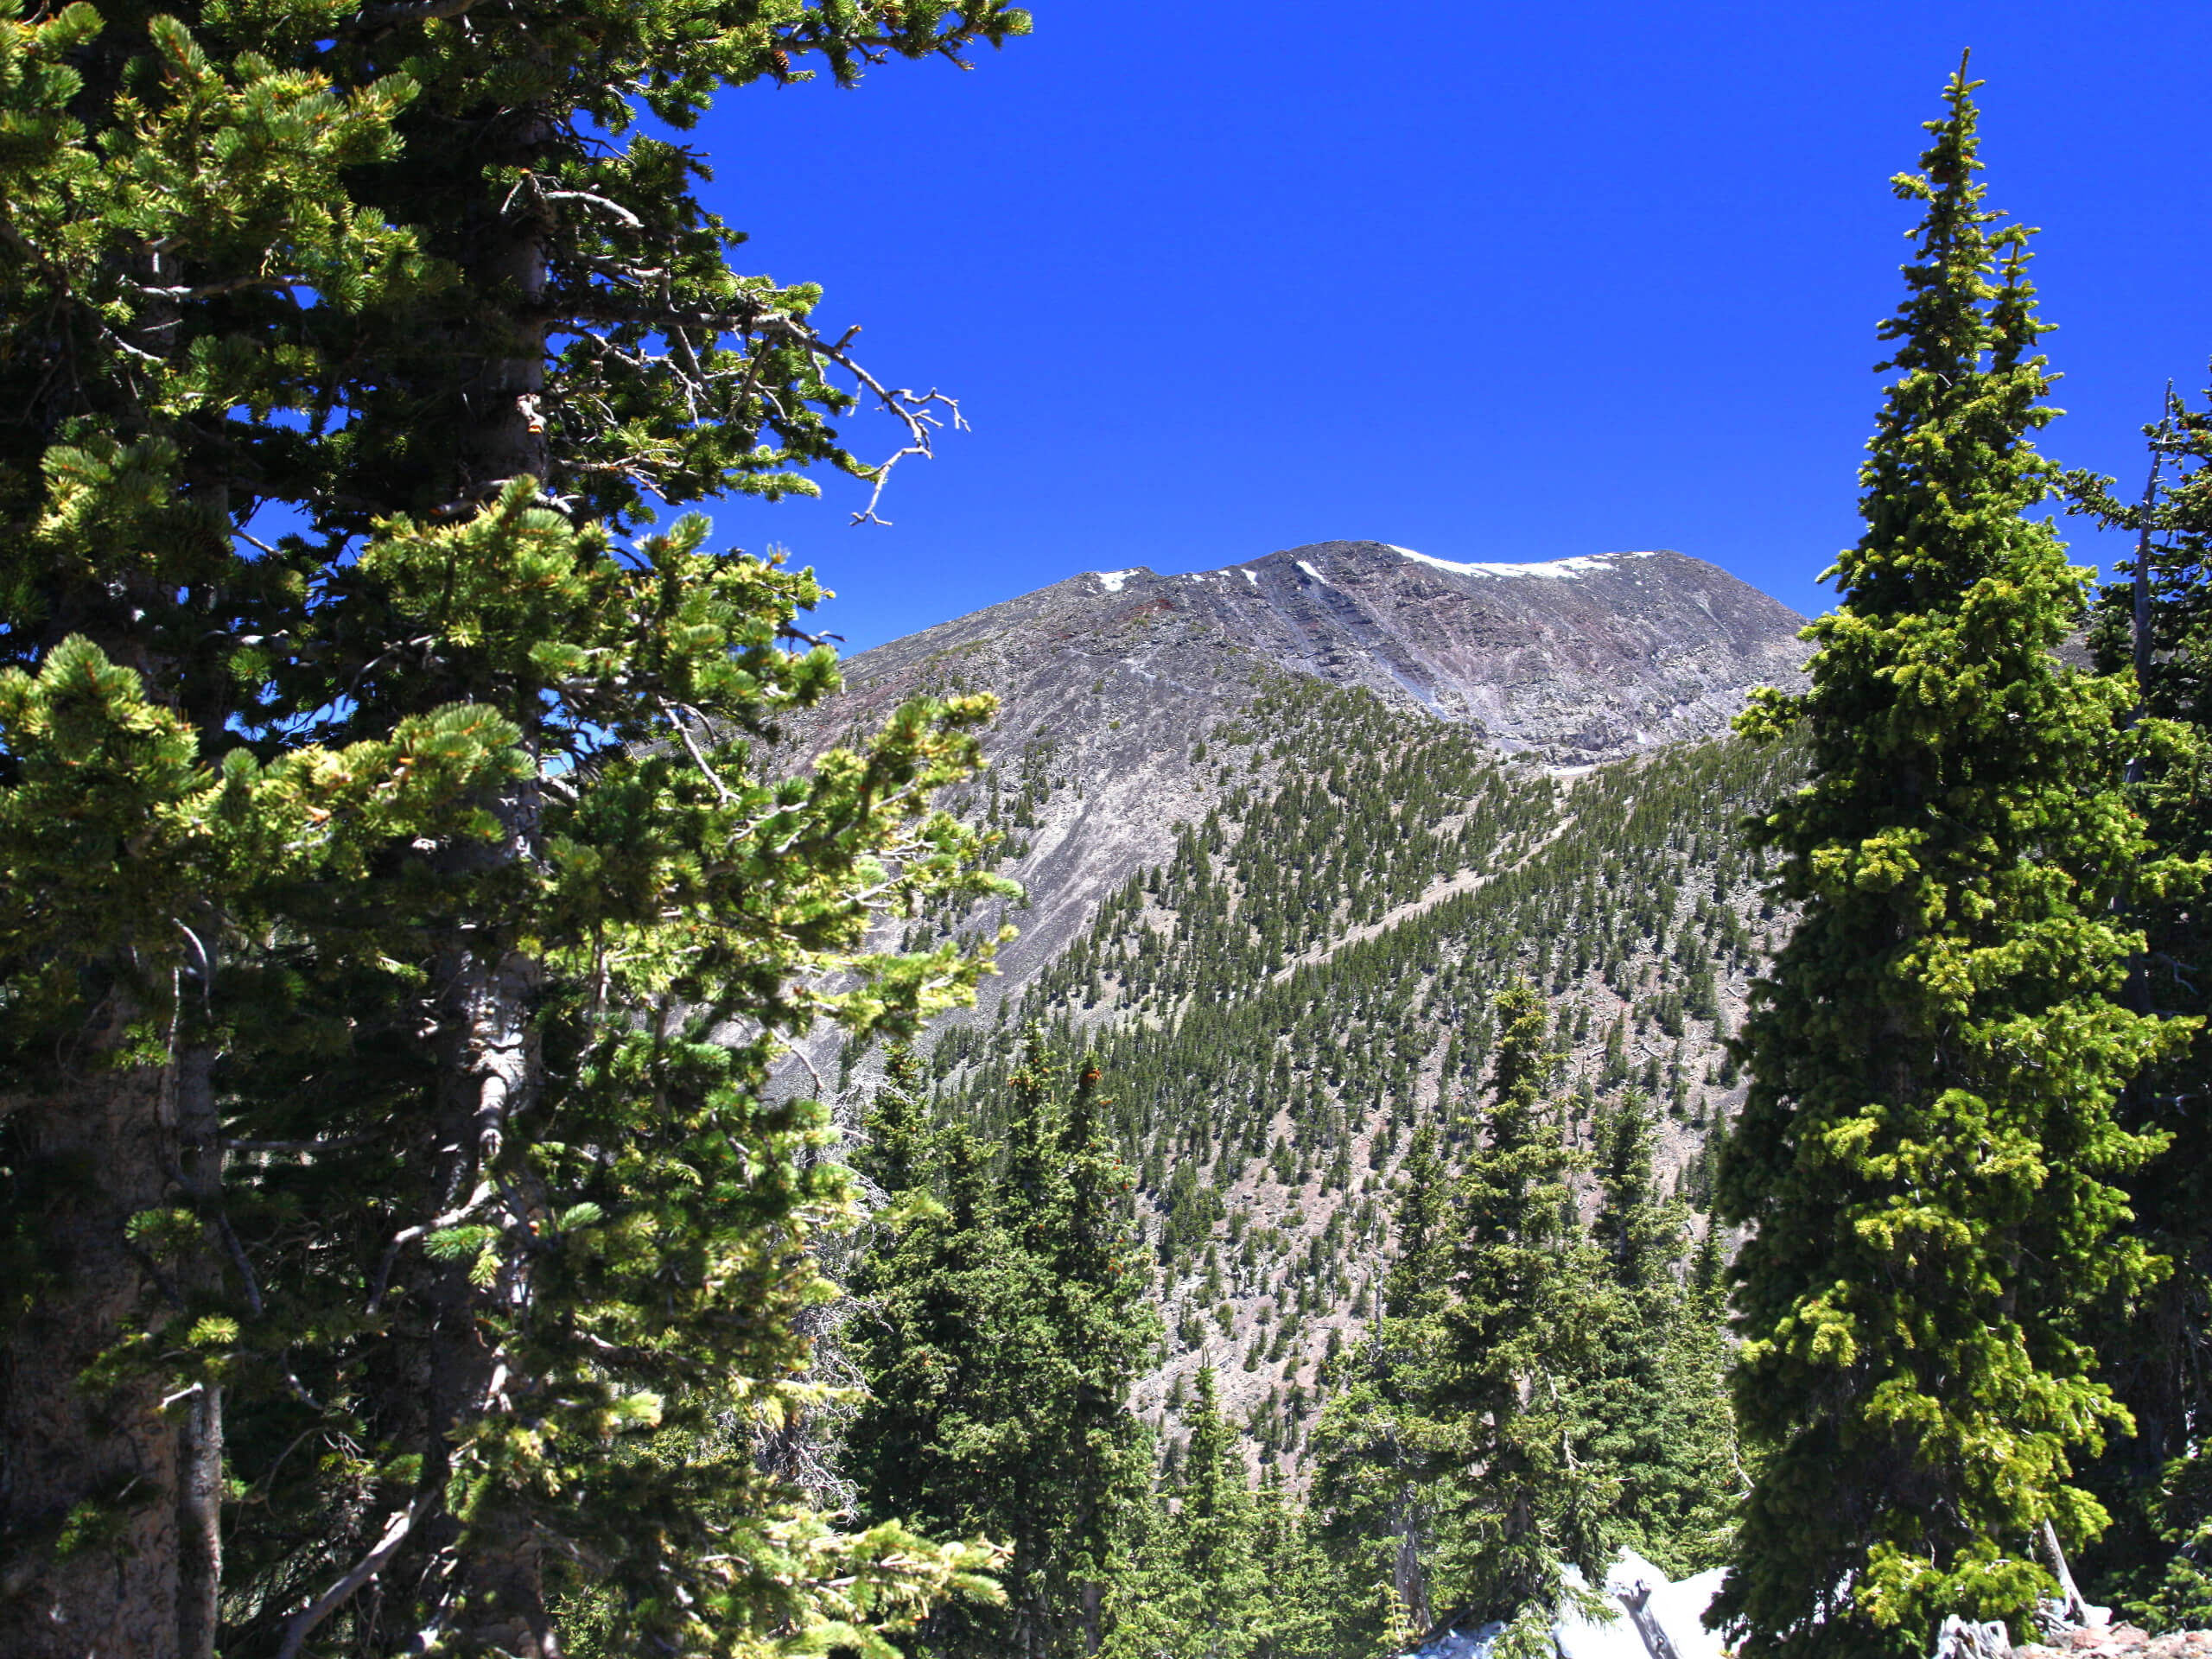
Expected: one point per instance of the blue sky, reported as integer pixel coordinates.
(1494, 283)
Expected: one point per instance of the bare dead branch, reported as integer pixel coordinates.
(684, 733)
(303, 1623)
(613, 207)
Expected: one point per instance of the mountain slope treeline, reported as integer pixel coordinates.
(1292, 1067)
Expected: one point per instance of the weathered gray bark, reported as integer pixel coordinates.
(1657, 1643)
(1406, 1578)
(489, 1073)
(2070, 1594)
(198, 1170)
(488, 1595)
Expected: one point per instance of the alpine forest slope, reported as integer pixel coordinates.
(1286, 833)
(1110, 684)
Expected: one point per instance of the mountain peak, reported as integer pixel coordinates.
(1576, 660)
(1120, 691)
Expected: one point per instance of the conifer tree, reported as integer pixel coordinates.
(1930, 1153)
(1197, 1591)
(1303, 1610)
(394, 1114)
(896, 1150)
(937, 1444)
(1519, 1337)
(1005, 1335)
(1106, 1329)
(1657, 1385)
(2155, 622)
(1377, 1451)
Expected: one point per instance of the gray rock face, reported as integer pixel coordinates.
(1110, 680)
(1579, 660)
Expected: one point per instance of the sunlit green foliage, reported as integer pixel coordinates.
(401, 908)
(2156, 622)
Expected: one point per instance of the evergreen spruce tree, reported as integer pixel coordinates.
(1524, 1495)
(938, 1442)
(1004, 1334)
(1197, 1590)
(1106, 1330)
(2155, 622)
(1377, 1451)
(1303, 1610)
(895, 1154)
(370, 1100)
(1656, 1386)
(1929, 1152)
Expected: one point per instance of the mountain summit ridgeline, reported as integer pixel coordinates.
(1578, 660)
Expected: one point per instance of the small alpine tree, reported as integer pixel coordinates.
(1519, 1337)
(1656, 1385)
(1196, 1590)
(1928, 1153)
(1377, 1451)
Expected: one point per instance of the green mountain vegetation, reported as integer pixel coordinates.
(1278, 1041)
(1931, 1162)
(1298, 1043)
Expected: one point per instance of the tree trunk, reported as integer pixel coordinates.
(98, 1485)
(488, 1594)
(1656, 1641)
(200, 1427)
(2070, 1595)
(1406, 1575)
(489, 1072)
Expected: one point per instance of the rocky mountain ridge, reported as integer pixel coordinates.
(1578, 660)
(1110, 684)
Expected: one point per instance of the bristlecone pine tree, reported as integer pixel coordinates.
(2155, 621)
(402, 1247)
(1929, 1150)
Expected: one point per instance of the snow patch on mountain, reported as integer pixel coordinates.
(1648, 1616)
(1547, 569)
